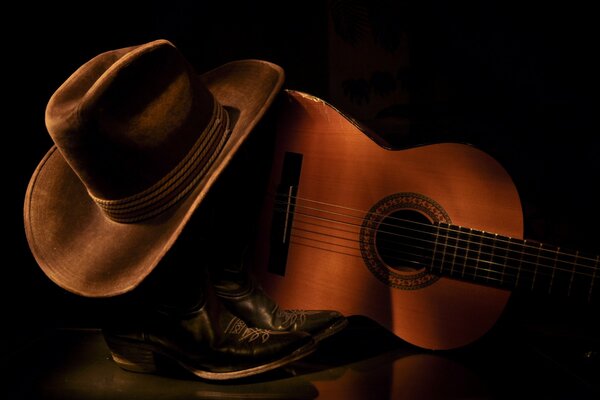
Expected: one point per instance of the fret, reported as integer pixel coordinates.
(498, 258)
(563, 273)
(520, 263)
(433, 253)
(543, 268)
(444, 228)
(467, 242)
(510, 268)
(486, 256)
(504, 261)
(473, 250)
(554, 267)
(476, 249)
(572, 273)
(536, 265)
(455, 243)
(585, 270)
(535, 271)
(481, 250)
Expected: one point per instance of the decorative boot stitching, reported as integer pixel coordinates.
(291, 317)
(238, 327)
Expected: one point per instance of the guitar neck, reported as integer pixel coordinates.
(501, 261)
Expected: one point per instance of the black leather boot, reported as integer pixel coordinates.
(175, 319)
(205, 339)
(245, 298)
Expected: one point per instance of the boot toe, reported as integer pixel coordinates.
(319, 323)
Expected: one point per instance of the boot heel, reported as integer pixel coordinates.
(133, 357)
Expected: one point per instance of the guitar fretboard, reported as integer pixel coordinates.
(506, 262)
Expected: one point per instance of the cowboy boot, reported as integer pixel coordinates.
(245, 298)
(231, 211)
(177, 326)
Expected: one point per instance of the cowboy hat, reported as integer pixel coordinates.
(139, 139)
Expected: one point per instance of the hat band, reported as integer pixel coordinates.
(178, 182)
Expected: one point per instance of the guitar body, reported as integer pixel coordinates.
(347, 183)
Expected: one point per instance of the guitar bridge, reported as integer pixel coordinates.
(283, 212)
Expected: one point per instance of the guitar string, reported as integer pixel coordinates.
(458, 239)
(466, 257)
(455, 256)
(483, 275)
(465, 273)
(521, 277)
(479, 273)
(472, 233)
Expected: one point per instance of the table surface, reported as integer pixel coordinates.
(364, 361)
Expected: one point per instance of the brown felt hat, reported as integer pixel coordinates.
(139, 139)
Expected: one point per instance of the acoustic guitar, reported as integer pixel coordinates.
(426, 241)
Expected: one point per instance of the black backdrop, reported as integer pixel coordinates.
(518, 81)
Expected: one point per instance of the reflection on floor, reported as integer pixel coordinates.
(362, 362)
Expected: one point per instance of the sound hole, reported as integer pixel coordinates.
(396, 239)
(404, 240)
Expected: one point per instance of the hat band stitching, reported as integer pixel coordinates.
(179, 169)
(178, 195)
(171, 191)
(177, 183)
(153, 208)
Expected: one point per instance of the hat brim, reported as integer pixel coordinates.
(83, 251)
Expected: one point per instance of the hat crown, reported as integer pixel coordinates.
(128, 117)
(140, 141)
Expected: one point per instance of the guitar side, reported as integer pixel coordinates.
(343, 175)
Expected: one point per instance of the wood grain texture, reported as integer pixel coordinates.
(343, 167)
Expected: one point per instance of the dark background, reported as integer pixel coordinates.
(517, 78)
